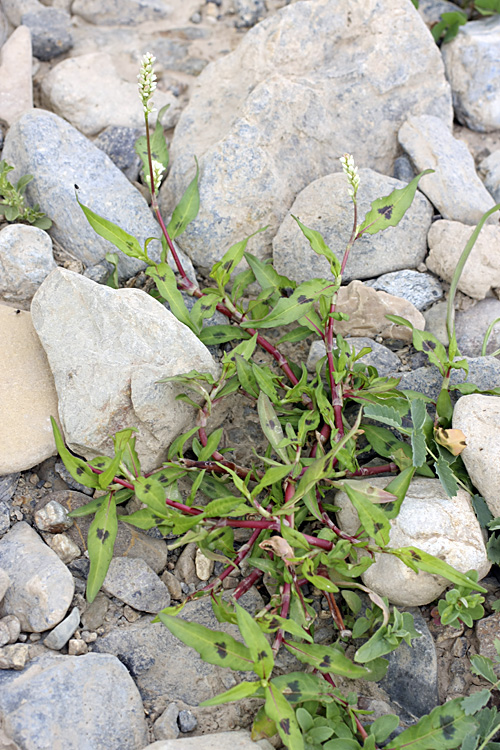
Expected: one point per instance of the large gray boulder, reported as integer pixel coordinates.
(107, 348)
(307, 84)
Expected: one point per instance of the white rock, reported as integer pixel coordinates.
(14, 9)
(11, 627)
(61, 634)
(481, 273)
(4, 583)
(203, 565)
(53, 517)
(471, 62)
(304, 86)
(118, 344)
(25, 260)
(326, 206)
(27, 395)
(367, 309)
(478, 417)
(16, 91)
(454, 188)
(64, 547)
(90, 93)
(489, 169)
(386, 361)
(431, 521)
(240, 740)
(14, 656)
(42, 587)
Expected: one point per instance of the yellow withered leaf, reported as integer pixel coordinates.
(453, 440)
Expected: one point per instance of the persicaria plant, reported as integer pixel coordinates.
(321, 437)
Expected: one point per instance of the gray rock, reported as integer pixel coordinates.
(173, 54)
(25, 261)
(129, 542)
(68, 158)
(59, 637)
(262, 137)
(8, 486)
(380, 356)
(421, 289)
(454, 188)
(4, 517)
(148, 650)
(403, 169)
(412, 676)
(16, 89)
(132, 581)
(50, 32)
(481, 273)
(75, 702)
(471, 326)
(249, 12)
(90, 92)
(166, 727)
(483, 372)
(325, 206)
(431, 521)
(118, 143)
(478, 417)
(471, 64)
(53, 517)
(122, 12)
(94, 615)
(13, 657)
(10, 628)
(14, 9)
(119, 344)
(5, 582)
(41, 587)
(187, 721)
(489, 169)
(4, 32)
(435, 321)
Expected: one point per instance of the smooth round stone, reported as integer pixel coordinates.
(50, 32)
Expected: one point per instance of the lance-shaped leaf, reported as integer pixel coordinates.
(266, 274)
(236, 693)
(447, 477)
(399, 487)
(257, 643)
(299, 687)
(443, 729)
(271, 426)
(388, 211)
(113, 233)
(319, 246)
(100, 544)
(151, 492)
(159, 149)
(385, 414)
(213, 646)
(279, 709)
(417, 559)
(326, 659)
(187, 208)
(76, 466)
(418, 415)
(371, 516)
(214, 335)
(164, 279)
(290, 309)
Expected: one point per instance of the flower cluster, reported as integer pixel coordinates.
(147, 82)
(158, 170)
(351, 171)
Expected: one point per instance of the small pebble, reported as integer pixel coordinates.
(14, 657)
(53, 517)
(76, 647)
(64, 547)
(187, 721)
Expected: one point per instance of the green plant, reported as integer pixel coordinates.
(317, 441)
(460, 605)
(449, 24)
(12, 204)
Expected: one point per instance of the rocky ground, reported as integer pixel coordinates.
(267, 96)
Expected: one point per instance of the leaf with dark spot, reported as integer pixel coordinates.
(386, 211)
(285, 726)
(102, 534)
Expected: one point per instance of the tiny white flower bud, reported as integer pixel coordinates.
(351, 171)
(147, 82)
(158, 170)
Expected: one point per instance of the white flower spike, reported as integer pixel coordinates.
(351, 171)
(158, 170)
(147, 82)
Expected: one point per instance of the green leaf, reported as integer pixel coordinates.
(342, 743)
(424, 561)
(236, 693)
(447, 477)
(159, 149)
(385, 414)
(483, 666)
(326, 659)
(257, 643)
(164, 279)
(278, 709)
(141, 519)
(213, 646)
(76, 467)
(212, 445)
(443, 729)
(444, 407)
(290, 309)
(125, 242)
(151, 492)
(448, 26)
(473, 703)
(372, 518)
(266, 275)
(221, 334)
(100, 544)
(388, 211)
(223, 269)
(319, 246)
(271, 426)
(418, 445)
(299, 687)
(399, 487)
(384, 726)
(297, 334)
(187, 208)
(88, 508)
(246, 376)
